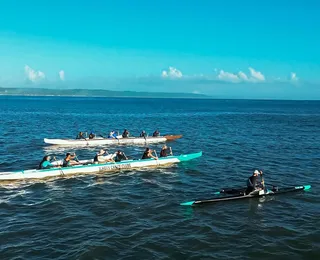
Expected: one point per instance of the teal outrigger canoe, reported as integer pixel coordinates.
(97, 168)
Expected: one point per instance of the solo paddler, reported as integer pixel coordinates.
(252, 183)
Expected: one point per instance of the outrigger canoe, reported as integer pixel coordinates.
(106, 141)
(96, 168)
(240, 194)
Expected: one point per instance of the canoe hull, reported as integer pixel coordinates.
(111, 141)
(96, 168)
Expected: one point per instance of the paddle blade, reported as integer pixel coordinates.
(189, 203)
(307, 187)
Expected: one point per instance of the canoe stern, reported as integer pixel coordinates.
(188, 157)
(172, 137)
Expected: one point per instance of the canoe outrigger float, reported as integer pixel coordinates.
(96, 168)
(105, 141)
(240, 194)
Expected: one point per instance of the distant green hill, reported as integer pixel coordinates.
(93, 93)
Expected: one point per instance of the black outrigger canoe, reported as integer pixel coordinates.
(240, 194)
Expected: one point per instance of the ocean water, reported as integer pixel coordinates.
(136, 215)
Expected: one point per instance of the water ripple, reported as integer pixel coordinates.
(136, 215)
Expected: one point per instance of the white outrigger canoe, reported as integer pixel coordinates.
(95, 168)
(106, 141)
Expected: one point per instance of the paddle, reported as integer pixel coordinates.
(155, 152)
(55, 159)
(125, 156)
(144, 136)
(171, 151)
(75, 156)
(81, 136)
(262, 180)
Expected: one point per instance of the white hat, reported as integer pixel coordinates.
(102, 152)
(256, 172)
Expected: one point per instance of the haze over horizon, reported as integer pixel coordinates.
(228, 49)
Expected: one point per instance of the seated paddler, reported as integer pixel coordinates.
(125, 133)
(252, 182)
(69, 160)
(92, 135)
(148, 154)
(143, 134)
(45, 163)
(156, 133)
(120, 156)
(103, 157)
(165, 151)
(113, 135)
(80, 136)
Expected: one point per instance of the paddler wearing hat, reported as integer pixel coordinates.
(103, 156)
(252, 184)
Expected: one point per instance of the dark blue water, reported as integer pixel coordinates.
(136, 215)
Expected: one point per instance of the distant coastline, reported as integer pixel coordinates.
(94, 93)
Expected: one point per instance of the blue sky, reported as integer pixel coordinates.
(230, 47)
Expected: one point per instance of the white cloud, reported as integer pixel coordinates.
(255, 76)
(61, 75)
(242, 76)
(171, 73)
(227, 76)
(293, 77)
(33, 75)
(164, 74)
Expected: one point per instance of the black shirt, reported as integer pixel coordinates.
(65, 163)
(146, 155)
(252, 181)
(163, 153)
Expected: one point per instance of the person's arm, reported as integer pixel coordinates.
(101, 159)
(50, 165)
(72, 161)
(113, 156)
